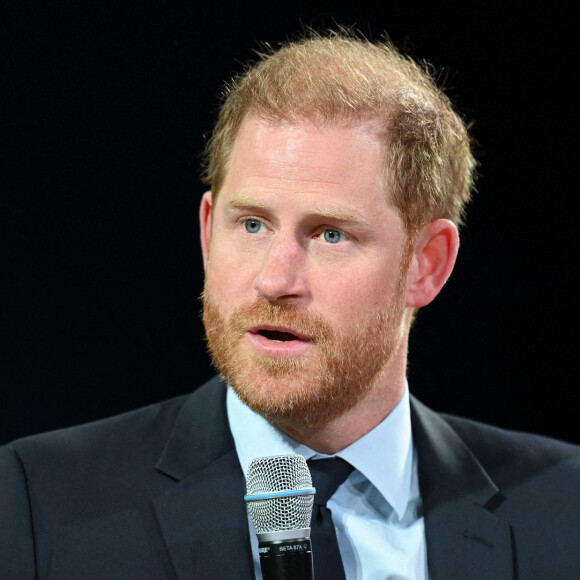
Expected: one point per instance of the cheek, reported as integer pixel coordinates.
(227, 279)
(352, 299)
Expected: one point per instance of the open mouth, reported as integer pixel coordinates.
(278, 341)
(278, 336)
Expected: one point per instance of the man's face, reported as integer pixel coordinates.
(304, 295)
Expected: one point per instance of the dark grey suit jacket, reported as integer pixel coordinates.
(158, 493)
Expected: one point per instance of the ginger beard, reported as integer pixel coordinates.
(310, 390)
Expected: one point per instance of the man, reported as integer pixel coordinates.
(338, 175)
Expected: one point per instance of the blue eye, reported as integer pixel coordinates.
(252, 226)
(332, 236)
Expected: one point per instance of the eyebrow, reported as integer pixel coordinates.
(241, 200)
(343, 215)
(244, 201)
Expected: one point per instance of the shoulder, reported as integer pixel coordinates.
(537, 477)
(137, 437)
(53, 482)
(133, 430)
(85, 497)
(513, 456)
(484, 457)
(524, 481)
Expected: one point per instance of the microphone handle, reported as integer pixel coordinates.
(286, 559)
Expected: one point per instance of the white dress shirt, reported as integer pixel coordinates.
(377, 511)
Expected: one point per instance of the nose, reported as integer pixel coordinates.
(282, 272)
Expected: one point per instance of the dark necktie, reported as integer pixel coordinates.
(327, 475)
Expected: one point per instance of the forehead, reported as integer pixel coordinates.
(306, 156)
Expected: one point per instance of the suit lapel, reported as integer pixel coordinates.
(465, 539)
(202, 516)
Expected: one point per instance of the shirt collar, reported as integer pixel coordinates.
(390, 440)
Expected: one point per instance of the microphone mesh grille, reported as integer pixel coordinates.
(279, 473)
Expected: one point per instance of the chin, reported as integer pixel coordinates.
(299, 399)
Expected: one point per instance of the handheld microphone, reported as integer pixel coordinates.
(280, 497)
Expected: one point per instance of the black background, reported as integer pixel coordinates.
(103, 117)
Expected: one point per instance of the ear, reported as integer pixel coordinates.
(205, 224)
(432, 261)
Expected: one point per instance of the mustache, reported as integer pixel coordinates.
(262, 312)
